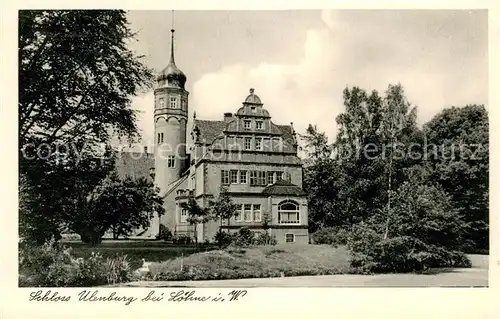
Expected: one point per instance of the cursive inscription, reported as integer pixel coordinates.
(96, 295)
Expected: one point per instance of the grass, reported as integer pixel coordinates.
(153, 251)
(255, 262)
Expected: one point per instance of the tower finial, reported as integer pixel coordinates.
(172, 59)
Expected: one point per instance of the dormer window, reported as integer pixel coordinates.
(247, 124)
(162, 103)
(173, 102)
(258, 125)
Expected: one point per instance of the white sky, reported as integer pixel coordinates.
(300, 61)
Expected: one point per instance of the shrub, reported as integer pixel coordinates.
(223, 239)
(164, 234)
(182, 240)
(244, 237)
(331, 236)
(265, 239)
(52, 265)
(371, 253)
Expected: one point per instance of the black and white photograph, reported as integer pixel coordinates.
(252, 149)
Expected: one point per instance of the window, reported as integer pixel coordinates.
(162, 103)
(243, 177)
(183, 105)
(289, 238)
(171, 161)
(256, 212)
(224, 177)
(279, 176)
(248, 143)
(261, 178)
(254, 110)
(184, 215)
(258, 125)
(239, 216)
(247, 124)
(160, 138)
(288, 213)
(270, 178)
(173, 102)
(247, 212)
(258, 144)
(234, 177)
(193, 182)
(253, 178)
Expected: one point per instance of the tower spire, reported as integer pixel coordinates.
(172, 59)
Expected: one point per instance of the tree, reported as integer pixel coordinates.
(196, 215)
(52, 186)
(457, 148)
(77, 75)
(120, 205)
(425, 231)
(223, 207)
(76, 79)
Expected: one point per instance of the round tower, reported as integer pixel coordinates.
(170, 118)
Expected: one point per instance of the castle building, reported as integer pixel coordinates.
(245, 153)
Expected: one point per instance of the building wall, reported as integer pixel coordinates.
(213, 176)
(171, 217)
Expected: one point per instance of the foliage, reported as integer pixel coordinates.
(255, 262)
(331, 236)
(165, 233)
(223, 207)
(457, 145)
(243, 237)
(121, 205)
(181, 240)
(196, 215)
(223, 239)
(264, 239)
(345, 185)
(77, 75)
(424, 232)
(52, 186)
(77, 78)
(52, 265)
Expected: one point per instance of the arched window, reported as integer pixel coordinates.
(288, 212)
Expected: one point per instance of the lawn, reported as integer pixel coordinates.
(255, 262)
(153, 251)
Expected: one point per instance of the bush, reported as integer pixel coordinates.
(182, 240)
(420, 231)
(372, 254)
(244, 237)
(223, 239)
(52, 265)
(330, 236)
(265, 239)
(164, 234)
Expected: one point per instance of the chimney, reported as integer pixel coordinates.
(228, 117)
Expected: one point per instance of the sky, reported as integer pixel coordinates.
(300, 61)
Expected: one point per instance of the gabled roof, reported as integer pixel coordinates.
(134, 164)
(283, 187)
(209, 130)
